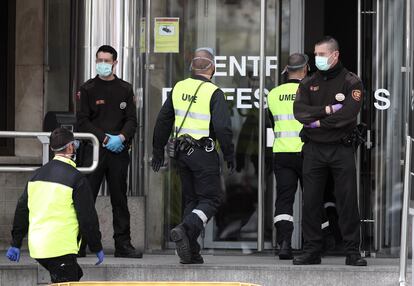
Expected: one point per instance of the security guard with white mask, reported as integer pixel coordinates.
(287, 147)
(328, 104)
(197, 110)
(107, 109)
(57, 209)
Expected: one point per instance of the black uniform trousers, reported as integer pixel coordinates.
(288, 171)
(201, 189)
(115, 168)
(319, 160)
(62, 268)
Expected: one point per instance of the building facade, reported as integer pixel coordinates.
(155, 39)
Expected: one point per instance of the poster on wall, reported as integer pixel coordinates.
(166, 35)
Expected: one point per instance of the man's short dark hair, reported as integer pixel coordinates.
(332, 42)
(108, 49)
(59, 138)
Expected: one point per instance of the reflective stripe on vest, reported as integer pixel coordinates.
(287, 128)
(197, 122)
(53, 224)
(286, 134)
(284, 117)
(193, 115)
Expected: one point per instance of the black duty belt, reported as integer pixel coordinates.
(186, 143)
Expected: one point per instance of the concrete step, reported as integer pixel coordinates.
(262, 270)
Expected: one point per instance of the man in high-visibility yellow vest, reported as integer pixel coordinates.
(56, 209)
(199, 113)
(287, 148)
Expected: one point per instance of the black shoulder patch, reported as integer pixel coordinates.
(125, 83)
(88, 84)
(306, 80)
(352, 78)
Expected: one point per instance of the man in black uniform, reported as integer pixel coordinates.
(107, 110)
(198, 110)
(56, 209)
(287, 147)
(328, 104)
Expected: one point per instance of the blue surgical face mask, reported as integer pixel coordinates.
(103, 69)
(322, 63)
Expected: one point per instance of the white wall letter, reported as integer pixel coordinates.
(240, 68)
(165, 91)
(220, 65)
(255, 64)
(270, 66)
(241, 97)
(386, 102)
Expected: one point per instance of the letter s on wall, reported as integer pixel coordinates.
(386, 103)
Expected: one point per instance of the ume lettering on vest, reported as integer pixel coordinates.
(283, 97)
(188, 97)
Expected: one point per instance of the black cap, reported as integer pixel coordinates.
(296, 61)
(60, 138)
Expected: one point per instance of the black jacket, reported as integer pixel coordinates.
(220, 124)
(62, 173)
(107, 107)
(318, 91)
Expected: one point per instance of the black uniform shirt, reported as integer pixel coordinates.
(220, 124)
(107, 107)
(318, 91)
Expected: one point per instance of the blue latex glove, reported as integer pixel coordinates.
(13, 254)
(336, 107)
(314, 124)
(114, 143)
(100, 256)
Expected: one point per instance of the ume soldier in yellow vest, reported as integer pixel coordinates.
(287, 148)
(56, 209)
(197, 110)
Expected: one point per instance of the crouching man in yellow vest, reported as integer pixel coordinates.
(287, 148)
(56, 209)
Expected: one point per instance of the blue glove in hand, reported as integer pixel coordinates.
(114, 144)
(100, 256)
(336, 107)
(314, 124)
(13, 254)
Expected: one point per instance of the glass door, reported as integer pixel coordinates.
(386, 113)
(232, 28)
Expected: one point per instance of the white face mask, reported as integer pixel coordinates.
(104, 69)
(322, 63)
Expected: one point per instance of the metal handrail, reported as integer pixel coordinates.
(43, 137)
(406, 211)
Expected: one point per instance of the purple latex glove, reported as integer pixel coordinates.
(314, 124)
(336, 107)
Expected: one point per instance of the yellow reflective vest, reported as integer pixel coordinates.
(53, 225)
(287, 128)
(197, 122)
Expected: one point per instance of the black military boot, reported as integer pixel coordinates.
(126, 250)
(285, 252)
(355, 260)
(307, 259)
(196, 257)
(182, 243)
(193, 233)
(284, 231)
